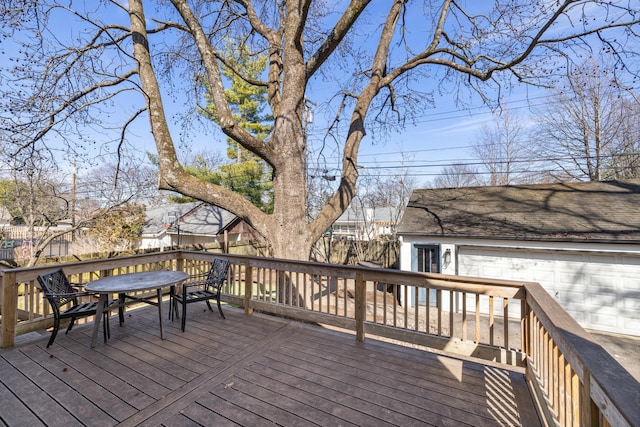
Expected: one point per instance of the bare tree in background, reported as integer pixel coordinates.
(385, 196)
(370, 61)
(37, 198)
(625, 162)
(590, 129)
(503, 150)
(111, 185)
(46, 204)
(458, 175)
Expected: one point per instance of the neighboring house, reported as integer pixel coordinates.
(580, 241)
(358, 223)
(191, 224)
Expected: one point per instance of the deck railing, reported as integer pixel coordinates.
(577, 382)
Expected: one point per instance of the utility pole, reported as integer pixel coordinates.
(73, 201)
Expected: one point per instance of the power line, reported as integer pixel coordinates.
(434, 117)
(510, 103)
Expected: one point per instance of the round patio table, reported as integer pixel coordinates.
(132, 282)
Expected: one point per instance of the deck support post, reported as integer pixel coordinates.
(9, 308)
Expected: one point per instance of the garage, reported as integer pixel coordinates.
(600, 290)
(579, 240)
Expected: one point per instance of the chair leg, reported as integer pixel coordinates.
(106, 329)
(209, 305)
(220, 307)
(174, 310)
(73, 319)
(184, 313)
(121, 301)
(171, 304)
(56, 326)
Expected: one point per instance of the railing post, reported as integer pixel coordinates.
(589, 413)
(525, 324)
(9, 309)
(248, 288)
(361, 305)
(505, 322)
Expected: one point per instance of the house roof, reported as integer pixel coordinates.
(194, 218)
(357, 214)
(602, 211)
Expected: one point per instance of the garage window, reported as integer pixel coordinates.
(427, 261)
(428, 257)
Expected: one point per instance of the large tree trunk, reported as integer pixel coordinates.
(288, 233)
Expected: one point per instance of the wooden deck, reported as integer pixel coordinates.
(249, 370)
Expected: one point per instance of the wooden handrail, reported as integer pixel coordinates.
(574, 359)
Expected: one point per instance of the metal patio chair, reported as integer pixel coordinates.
(200, 288)
(63, 298)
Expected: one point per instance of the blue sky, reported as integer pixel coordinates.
(442, 134)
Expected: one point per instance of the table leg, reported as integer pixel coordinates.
(160, 312)
(99, 313)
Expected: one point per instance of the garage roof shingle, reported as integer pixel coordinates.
(603, 211)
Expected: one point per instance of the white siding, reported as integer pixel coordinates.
(601, 291)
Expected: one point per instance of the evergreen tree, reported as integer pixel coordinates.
(248, 174)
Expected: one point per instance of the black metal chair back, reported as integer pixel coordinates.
(198, 289)
(217, 275)
(57, 290)
(64, 302)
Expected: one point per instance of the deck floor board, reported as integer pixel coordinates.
(249, 370)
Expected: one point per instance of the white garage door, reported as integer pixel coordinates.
(600, 291)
